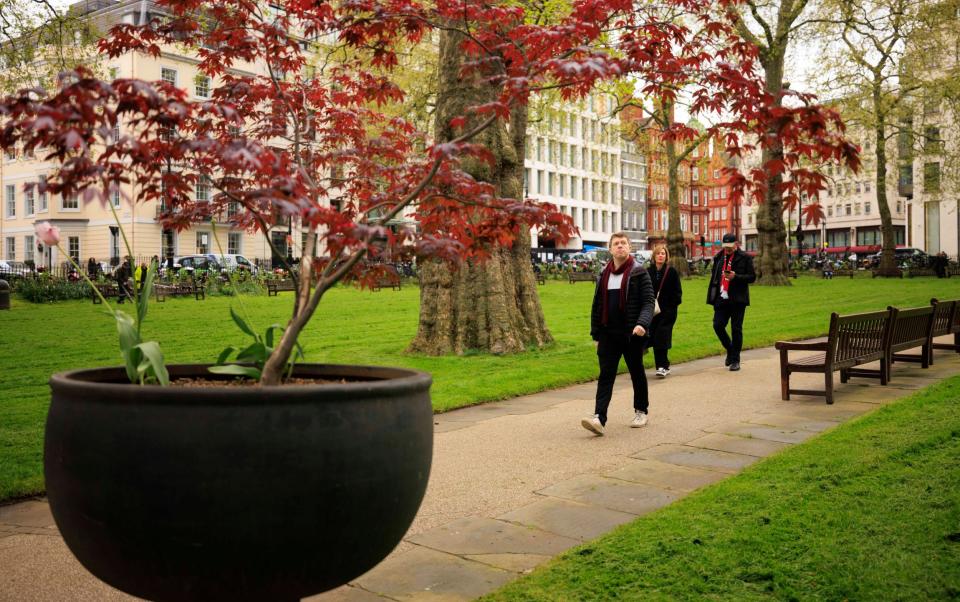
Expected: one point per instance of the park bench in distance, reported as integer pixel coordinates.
(107, 289)
(180, 289)
(853, 341)
(838, 274)
(391, 281)
(278, 286)
(910, 328)
(946, 320)
(914, 272)
(582, 277)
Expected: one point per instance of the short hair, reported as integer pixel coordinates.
(618, 235)
(657, 247)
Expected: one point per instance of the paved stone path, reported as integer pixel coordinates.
(519, 481)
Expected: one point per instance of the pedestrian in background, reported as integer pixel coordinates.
(669, 295)
(619, 321)
(729, 293)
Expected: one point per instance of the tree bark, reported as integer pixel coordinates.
(490, 306)
(772, 256)
(678, 253)
(888, 263)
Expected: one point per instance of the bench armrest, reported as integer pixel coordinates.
(794, 346)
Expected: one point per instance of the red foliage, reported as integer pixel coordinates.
(294, 144)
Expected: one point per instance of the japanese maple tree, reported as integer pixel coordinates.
(310, 138)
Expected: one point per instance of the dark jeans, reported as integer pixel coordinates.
(609, 351)
(733, 313)
(660, 358)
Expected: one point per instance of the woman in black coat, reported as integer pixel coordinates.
(666, 285)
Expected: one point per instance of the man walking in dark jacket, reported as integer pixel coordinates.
(619, 321)
(729, 293)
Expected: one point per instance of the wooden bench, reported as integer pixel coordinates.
(539, 277)
(180, 289)
(582, 277)
(792, 274)
(909, 328)
(278, 286)
(107, 289)
(848, 273)
(946, 321)
(392, 282)
(853, 341)
(876, 274)
(953, 271)
(914, 272)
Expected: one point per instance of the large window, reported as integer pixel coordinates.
(11, 196)
(838, 238)
(233, 243)
(73, 247)
(203, 242)
(69, 202)
(168, 75)
(202, 86)
(28, 249)
(29, 201)
(931, 177)
(43, 195)
(11, 249)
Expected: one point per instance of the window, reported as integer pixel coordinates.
(866, 208)
(29, 204)
(73, 247)
(11, 249)
(168, 75)
(866, 186)
(115, 194)
(233, 243)
(856, 208)
(115, 243)
(899, 206)
(696, 197)
(830, 211)
(551, 183)
(848, 209)
(11, 200)
(203, 242)
(43, 195)
(203, 189)
(931, 177)
(858, 187)
(932, 142)
(70, 202)
(168, 243)
(201, 85)
(28, 249)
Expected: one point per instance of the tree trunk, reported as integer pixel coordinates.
(772, 256)
(491, 306)
(888, 263)
(678, 253)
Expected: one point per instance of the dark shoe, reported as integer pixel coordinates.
(727, 362)
(734, 366)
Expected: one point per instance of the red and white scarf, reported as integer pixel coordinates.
(724, 281)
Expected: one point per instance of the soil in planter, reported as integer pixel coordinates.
(246, 382)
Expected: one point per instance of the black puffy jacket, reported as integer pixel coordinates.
(639, 310)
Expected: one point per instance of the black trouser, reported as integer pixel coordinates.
(660, 358)
(733, 313)
(609, 351)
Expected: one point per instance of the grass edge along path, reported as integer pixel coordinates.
(869, 510)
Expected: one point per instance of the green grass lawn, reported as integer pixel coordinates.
(868, 511)
(374, 328)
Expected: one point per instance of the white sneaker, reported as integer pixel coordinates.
(662, 372)
(592, 424)
(666, 371)
(640, 419)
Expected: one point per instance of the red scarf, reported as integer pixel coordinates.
(624, 284)
(724, 281)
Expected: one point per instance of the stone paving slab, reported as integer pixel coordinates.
(424, 574)
(31, 513)
(566, 518)
(666, 476)
(615, 494)
(490, 536)
(760, 448)
(698, 458)
(743, 429)
(347, 593)
(518, 563)
(792, 421)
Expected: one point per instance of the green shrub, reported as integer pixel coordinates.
(48, 290)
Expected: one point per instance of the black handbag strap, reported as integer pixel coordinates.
(663, 279)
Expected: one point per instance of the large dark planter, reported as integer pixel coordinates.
(266, 493)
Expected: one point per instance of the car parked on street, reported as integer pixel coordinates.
(11, 270)
(232, 262)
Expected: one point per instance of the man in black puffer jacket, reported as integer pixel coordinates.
(729, 294)
(621, 316)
